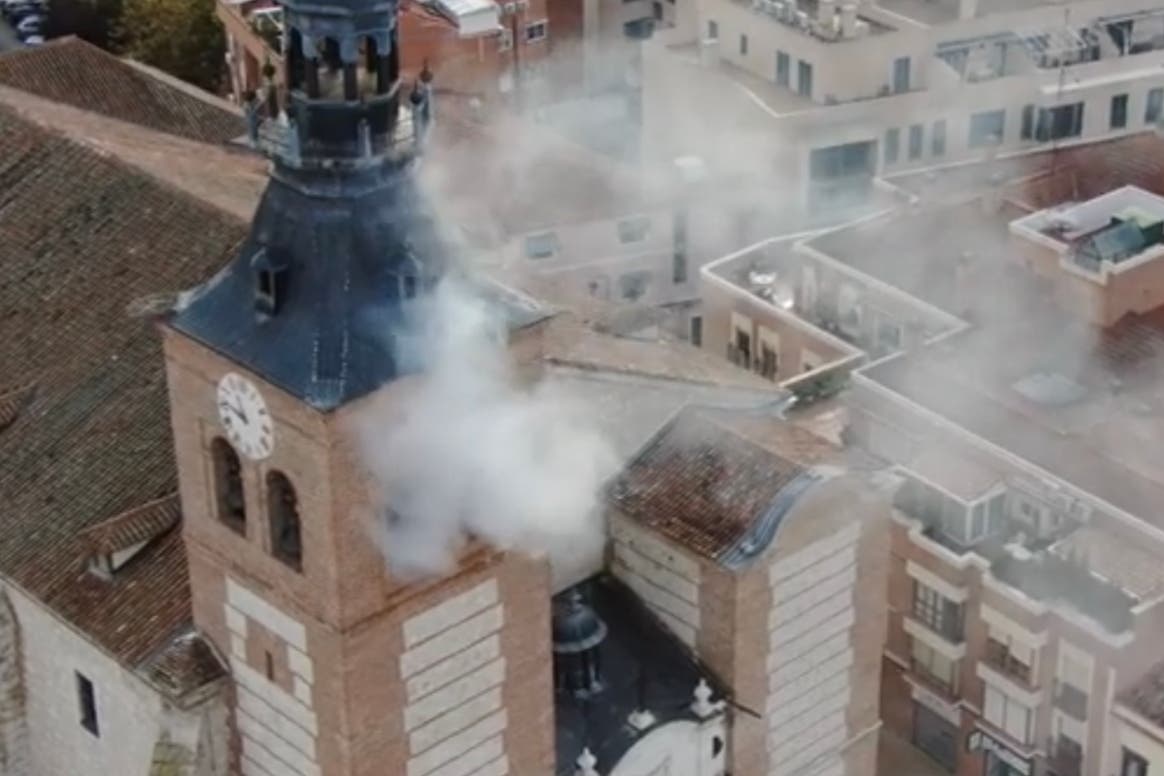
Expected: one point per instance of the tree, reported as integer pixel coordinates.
(181, 37)
(91, 20)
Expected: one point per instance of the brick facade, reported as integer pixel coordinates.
(329, 644)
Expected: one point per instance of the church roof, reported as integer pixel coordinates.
(74, 72)
(718, 483)
(82, 234)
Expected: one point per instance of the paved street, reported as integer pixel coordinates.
(897, 757)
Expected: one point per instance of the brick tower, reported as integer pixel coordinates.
(338, 668)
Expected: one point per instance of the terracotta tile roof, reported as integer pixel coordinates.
(184, 665)
(138, 525)
(702, 484)
(1146, 695)
(76, 73)
(232, 179)
(83, 236)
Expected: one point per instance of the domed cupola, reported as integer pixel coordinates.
(578, 633)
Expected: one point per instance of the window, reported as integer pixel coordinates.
(87, 701)
(1027, 130)
(849, 309)
(743, 45)
(938, 613)
(1072, 682)
(535, 31)
(935, 666)
(783, 68)
(915, 141)
(994, 512)
(938, 139)
(712, 30)
(283, 513)
(1119, 111)
(1008, 715)
(632, 230)
(740, 353)
(679, 248)
(901, 75)
(1132, 764)
(228, 486)
(1061, 122)
(1009, 656)
(541, 246)
(803, 79)
(1067, 756)
(889, 335)
(986, 128)
(768, 361)
(634, 285)
(269, 664)
(892, 143)
(696, 330)
(1155, 106)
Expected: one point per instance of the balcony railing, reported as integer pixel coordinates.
(998, 656)
(1071, 700)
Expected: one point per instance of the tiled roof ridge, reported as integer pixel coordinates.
(29, 114)
(140, 524)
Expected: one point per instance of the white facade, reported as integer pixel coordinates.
(913, 89)
(1133, 736)
(131, 715)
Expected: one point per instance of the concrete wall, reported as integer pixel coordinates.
(131, 716)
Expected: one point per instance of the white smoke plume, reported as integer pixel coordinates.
(471, 453)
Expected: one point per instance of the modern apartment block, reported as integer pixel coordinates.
(1003, 348)
(832, 94)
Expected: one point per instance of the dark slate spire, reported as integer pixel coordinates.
(342, 244)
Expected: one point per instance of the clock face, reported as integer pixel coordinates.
(244, 416)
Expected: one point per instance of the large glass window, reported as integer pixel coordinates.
(938, 613)
(804, 78)
(783, 68)
(1008, 715)
(1061, 122)
(1119, 111)
(935, 666)
(892, 145)
(986, 129)
(1154, 106)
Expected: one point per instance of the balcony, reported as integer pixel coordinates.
(1071, 700)
(945, 687)
(1066, 757)
(999, 657)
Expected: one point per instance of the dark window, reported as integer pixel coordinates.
(679, 248)
(269, 663)
(743, 349)
(270, 281)
(541, 246)
(535, 32)
(1027, 130)
(712, 30)
(633, 285)
(938, 613)
(1058, 123)
(1155, 105)
(769, 363)
(938, 139)
(716, 746)
(901, 74)
(696, 330)
(783, 68)
(1133, 764)
(87, 700)
(283, 513)
(1066, 757)
(915, 141)
(804, 78)
(657, 10)
(743, 45)
(986, 128)
(892, 145)
(631, 230)
(1119, 111)
(228, 486)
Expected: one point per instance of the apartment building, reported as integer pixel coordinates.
(831, 94)
(1137, 726)
(995, 353)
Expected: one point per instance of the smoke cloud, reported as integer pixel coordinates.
(471, 453)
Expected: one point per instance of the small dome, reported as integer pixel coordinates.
(576, 627)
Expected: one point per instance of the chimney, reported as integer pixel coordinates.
(848, 20)
(825, 10)
(967, 9)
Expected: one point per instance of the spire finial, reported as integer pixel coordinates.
(703, 707)
(586, 762)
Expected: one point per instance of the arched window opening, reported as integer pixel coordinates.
(283, 506)
(371, 55)
(228, 486)
(296, 62)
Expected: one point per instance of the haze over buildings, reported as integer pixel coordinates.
(469, 450)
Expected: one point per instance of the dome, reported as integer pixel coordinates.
(576, 627)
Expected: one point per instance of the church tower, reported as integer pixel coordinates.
(338, 668)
